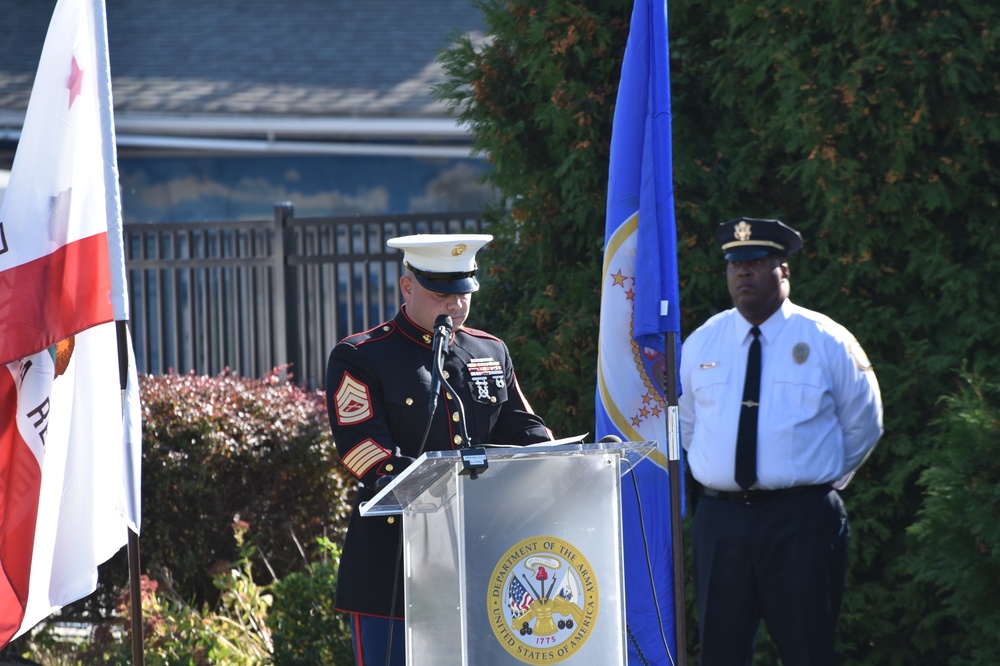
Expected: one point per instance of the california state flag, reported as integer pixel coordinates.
(69, 434)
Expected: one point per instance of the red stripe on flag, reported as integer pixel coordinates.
(51, 298)
(20, 484)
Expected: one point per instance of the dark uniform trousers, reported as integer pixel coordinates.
(783, 560)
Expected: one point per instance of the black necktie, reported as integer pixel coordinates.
(746, 440)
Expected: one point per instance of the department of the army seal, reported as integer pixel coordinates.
(542, 600)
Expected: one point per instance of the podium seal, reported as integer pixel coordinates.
(542, 600)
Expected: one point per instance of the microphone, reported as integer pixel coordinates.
(442, 329)
(442, 337)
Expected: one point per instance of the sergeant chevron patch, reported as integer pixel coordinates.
(354, 403)
(364, 456)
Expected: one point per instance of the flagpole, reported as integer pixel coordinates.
(116, 256)
(134, 573)
(674, 473)
(135, 593)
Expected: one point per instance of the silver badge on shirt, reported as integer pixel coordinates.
(800, 352)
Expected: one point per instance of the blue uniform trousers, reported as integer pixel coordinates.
(371, 640)
(782, 560)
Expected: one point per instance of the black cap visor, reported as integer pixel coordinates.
(446, 283)
(748, 253)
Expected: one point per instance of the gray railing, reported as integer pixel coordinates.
(249, 296)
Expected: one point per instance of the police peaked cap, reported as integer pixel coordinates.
(747, 238)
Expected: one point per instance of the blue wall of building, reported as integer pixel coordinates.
(187, 188)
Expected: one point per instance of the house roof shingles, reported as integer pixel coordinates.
(305, 58)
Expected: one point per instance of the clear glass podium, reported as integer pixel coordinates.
(519, 562)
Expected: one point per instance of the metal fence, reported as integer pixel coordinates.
(249, 296)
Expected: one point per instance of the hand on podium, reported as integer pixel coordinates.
(391, 468)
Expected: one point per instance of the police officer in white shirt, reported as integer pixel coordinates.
(779, 408)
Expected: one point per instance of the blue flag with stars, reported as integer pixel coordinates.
(639, 305)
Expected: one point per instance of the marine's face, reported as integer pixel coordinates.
(423, 306)
(758, 286)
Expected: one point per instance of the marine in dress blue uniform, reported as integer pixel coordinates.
(378, 397)
(776, 550)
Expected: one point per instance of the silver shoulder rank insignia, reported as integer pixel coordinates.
(800, 352)
(859, 356)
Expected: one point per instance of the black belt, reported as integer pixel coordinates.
(756, 496)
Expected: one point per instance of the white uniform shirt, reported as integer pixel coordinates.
(820, 406)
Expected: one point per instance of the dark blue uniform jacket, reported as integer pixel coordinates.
(378, 387)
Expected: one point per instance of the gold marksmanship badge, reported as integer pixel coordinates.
(542, 600)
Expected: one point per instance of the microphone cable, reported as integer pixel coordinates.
(649, 563)
(442, 332)
(649, 569)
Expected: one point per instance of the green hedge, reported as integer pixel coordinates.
(956, 536)
(307, 630)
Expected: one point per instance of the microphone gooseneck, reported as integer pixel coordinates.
(442, 337)
(439, 347)
(443, 326)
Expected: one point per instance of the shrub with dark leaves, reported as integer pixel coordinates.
(215, 448)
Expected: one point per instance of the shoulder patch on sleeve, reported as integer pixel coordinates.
(859, 356)
(354, 404)
(364, 456)
(372, 335)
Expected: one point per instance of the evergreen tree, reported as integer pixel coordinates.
(957, 534)
(869, 125)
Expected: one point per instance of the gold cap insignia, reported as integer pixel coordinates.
(742, 231)
(459, 249)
